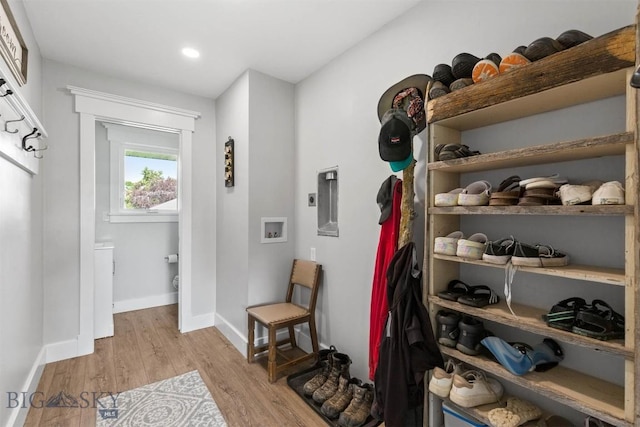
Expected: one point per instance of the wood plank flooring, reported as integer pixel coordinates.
(147, 347)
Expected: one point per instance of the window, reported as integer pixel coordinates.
(144, 183)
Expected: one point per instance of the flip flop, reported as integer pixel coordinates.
(479, 296)
(455, 289)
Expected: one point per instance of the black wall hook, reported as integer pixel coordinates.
(30, 136)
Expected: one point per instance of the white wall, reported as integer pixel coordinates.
(142, 277)
(61, 226)
(21, 255)
(336, 123)
(257, 111)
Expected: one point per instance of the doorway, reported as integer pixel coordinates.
(93, 107)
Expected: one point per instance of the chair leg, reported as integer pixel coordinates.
(292, 337)
(251, 338)
(271, 366)
(314, 335)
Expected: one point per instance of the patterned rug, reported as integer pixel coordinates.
(179, 401)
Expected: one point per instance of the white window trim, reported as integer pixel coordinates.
(117, 214)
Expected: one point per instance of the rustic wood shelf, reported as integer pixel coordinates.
(585, 393)
(610, 276)
(601, 210)
(590, 71)
(587, 148)
(530, 319)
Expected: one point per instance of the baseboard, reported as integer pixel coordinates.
(61, 350)
(147, 302)
(18, 415)
(197, 322)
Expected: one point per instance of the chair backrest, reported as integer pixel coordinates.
(305, 273)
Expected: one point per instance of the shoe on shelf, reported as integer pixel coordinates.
(442, 379)
(448, 199)
(472, 332)
(609, 193)
(448, 329)
(538, 256)
(574, 194)
(517, 412)
(475, 194)
(473, 388)
(473, 247)
(499, 251)
(448, 244)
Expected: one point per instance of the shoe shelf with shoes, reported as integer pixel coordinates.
(531, 319)
(597, 69)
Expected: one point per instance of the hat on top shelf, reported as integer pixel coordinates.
(408, 95)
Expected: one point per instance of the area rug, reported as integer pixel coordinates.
(179, 401)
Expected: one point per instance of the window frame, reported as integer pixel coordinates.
(117, 212)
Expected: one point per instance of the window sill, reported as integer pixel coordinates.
(142, 217)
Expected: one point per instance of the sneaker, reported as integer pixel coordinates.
(571, 194)
(538, 256)
(499, 251)
(441, 379)
(609, 193)
(473, 388)
(473, 247)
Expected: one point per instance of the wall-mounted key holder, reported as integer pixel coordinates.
(228, 163)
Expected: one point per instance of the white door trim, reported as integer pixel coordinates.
(98, 106)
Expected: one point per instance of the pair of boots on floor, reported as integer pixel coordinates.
(341, 396)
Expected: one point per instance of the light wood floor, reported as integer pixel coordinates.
(147, 347)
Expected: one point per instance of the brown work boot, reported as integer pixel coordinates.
(358, 410)
(339, 369)
(324, 360)
(339, 401)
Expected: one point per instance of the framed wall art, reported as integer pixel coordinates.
(12, 47)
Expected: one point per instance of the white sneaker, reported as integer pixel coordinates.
(609, 193)
(473, 388)
(441, 379)
(572, 194)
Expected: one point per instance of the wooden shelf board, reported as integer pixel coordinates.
(590, 71)
(585, 393)
(529, 319)
(610, 276)
(601, 210)
(587, 148)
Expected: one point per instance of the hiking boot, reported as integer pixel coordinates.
(473, 388)
(471, 333)
(358, 410)
(340, 368)
(448, 330)
(325, 361)
(339, 401)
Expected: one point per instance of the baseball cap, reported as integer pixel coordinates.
(396, 139)
(385, 198)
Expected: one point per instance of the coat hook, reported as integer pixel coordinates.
(29, 136)
(12, 121)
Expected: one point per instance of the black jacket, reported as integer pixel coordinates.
(409, 348)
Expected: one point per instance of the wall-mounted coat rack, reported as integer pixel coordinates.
(22, 133)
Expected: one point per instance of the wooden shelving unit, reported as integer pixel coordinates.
(597, 69)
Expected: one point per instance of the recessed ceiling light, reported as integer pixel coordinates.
(190, 52)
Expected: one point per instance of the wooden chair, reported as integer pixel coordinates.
(275, 316)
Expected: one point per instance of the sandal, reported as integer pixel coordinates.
(453, 151)
(563, 314)
(455, 290)
(479, 296)
(599, 321)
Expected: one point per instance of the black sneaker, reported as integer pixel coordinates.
(471, 333)
(448, 331)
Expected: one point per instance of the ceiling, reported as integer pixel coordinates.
(141, 40)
